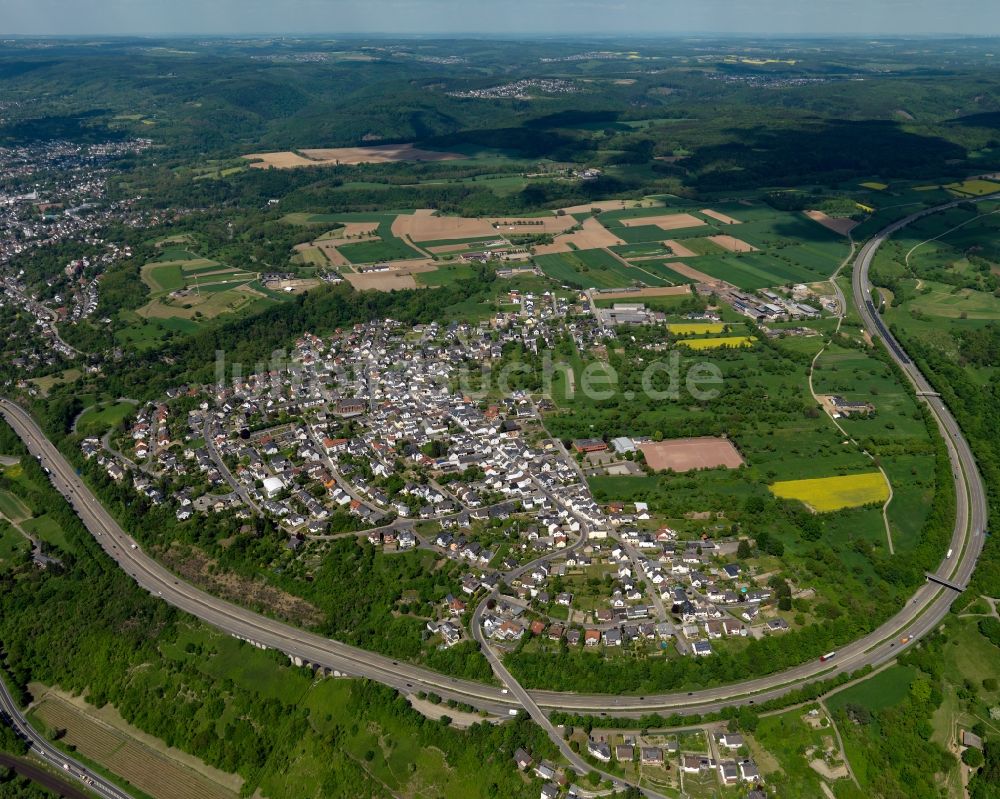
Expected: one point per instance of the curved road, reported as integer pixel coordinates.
(920, 615)
(44, 750)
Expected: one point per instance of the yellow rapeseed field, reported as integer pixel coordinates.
(976, 188)
(833, 493)
(714, 343)
(695, 328)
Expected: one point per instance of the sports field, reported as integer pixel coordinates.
(834, 493)
(685, 454)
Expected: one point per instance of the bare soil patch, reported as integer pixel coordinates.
(377, 154)
(399, 276)
(821, 767)
(354, 229)
(718, 216)
(459, 718)
(444, 249)
(533, 224)
(380, 281)
(682, 268)
(282, 160)
(732, 243)
(196, 567)
(685, 454)
(422, 226)
(592, 236)
(679, 249)
(650, 291)
(603, 205)
(333, 255)
(666, 221)
(841, 226)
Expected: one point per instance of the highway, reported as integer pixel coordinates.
(920, 615)
(41, 748)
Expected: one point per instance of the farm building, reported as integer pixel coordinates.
(589, 445)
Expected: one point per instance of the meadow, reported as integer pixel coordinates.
(887, 688)
(98, 419)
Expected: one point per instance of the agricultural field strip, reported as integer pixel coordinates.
(151, 771)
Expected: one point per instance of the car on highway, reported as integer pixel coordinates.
(827, 656)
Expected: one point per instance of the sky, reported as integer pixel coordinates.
(500, 17)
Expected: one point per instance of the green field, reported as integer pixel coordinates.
(641, 250)
(95, 421)
(387, 248)
(48, 530)
(669, 303)
(13, 546)
(887, 688)
(12, 507)
(662, 269)
(445, 274)
(755, 270)
(369, 252)
(595, 269)
(944, 302)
